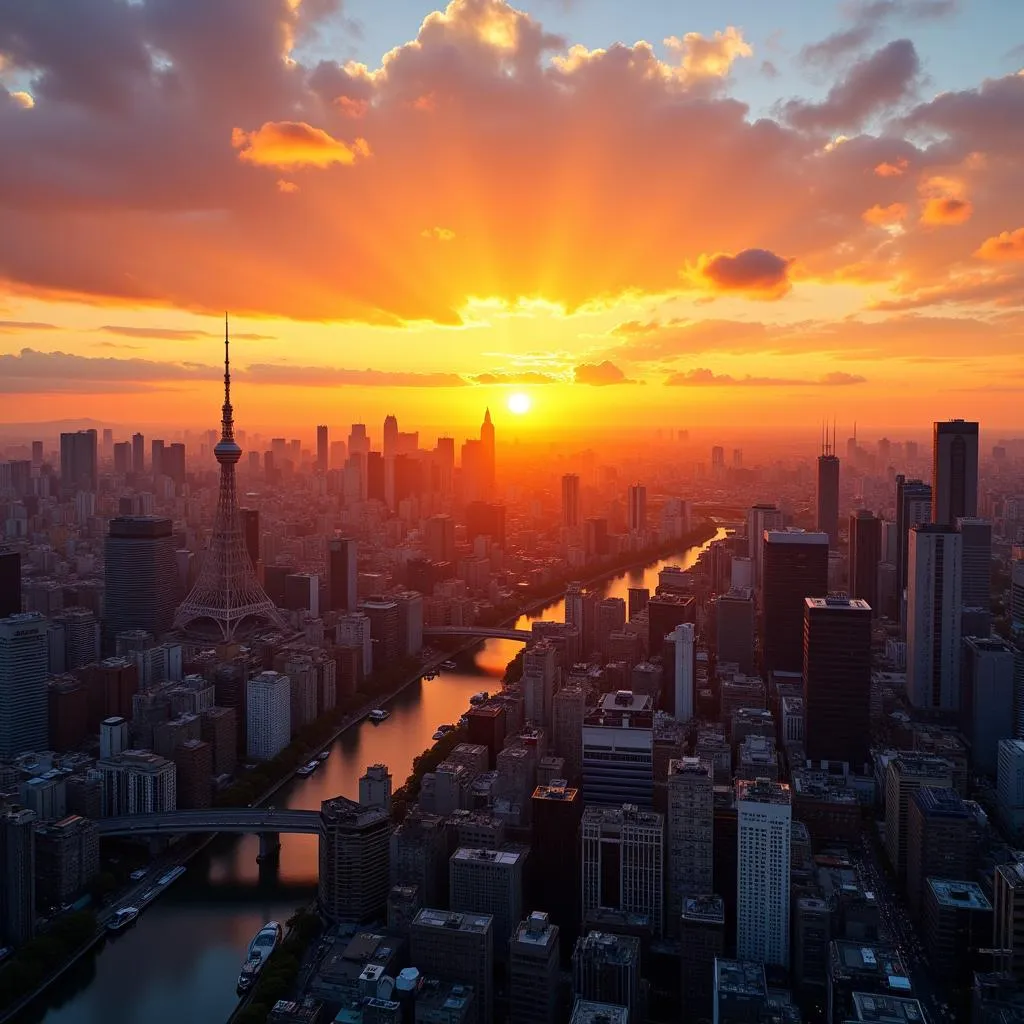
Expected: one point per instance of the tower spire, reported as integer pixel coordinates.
(227, 418)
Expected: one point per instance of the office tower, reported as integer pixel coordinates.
(137, 782)
(342, 573)
(219, 728)
(67, 859)
(606, 969)
(837, 679)
(113, 736)
(375, 787)
(74, 639)
(828, 491)
(905, 775)
(322, 449)
(664, 613)
(680, 646)
(353, 881)
(954, 471)
(556, 812)
(976, 543)
(690, 844)
(764, 821)
(353, 630)
(1008, 918)
(302, 593)
(489, 882)
(759, 519)
(794, 566)
(141, 580)
(570, 500)
(538, 682)
(702, 941)
(383, 615)
(419, 855)
(17, 875)
(23, 671)
(358, 441)
(250, 519)
(138, 453)
(458, 948)
(618, 751)
(172, 463)
(865, 554)
(1016, 608)
(156, 458)
(735, 627)
(941, 840)
(957, 922)
(636, 498)
(623, 861)
(934, 601)
(987, 699)
(10, 582)
(227, 596)
(487, 454)
(123, 458)
(390, 450)
(78, 462)
(440, 538)
(1010, 783)
(913, 505)
(268, 715)
(534, 971)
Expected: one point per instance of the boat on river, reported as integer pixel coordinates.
(379, 715)
(124, 917)
(266, 940)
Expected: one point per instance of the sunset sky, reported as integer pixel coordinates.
(647, 212)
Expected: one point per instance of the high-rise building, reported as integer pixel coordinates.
(78, 461)
(24, 661)
(865, 554)
(837, 679)
(489, 882)
(623, 861)
(439, 540)
(534, 971)
(456, 947)
(690, 843)
(322, 449)
(606, 969)
(571, 500)
(141, 579)
(976, 543)
(10, 582)
(342, 573)
(67, 859)
(913, 505)
(123, 458)
(375, 787)
(227, 597)
(538, 682)
(1010, 783)
(760, 518)
(137, 782)
(934, 602)
(268, 715)
(113, 736)
(828, 493)
(905, 775)
(1008, 918)
(487, 468)
(17, 875)
(618, 751)
(557, 810)
(250, 518)
(794, 566)
(1017, 595)
(940, 840)
(987, 699)
(954, 471)
(383, 615)
(680, 644)
(702, 941)
(735, 629)
(764, 821)
(353, 881)
(138, 453)
(636, 497)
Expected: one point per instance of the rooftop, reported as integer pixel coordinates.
(763, 791)
(959, 895)
(626, 814)
(608, 947)
(626, 700)
(794, 536)
(872, 959)
(704, 909)
(536, 930)
(505, 858)
(586, 1011)
(838, 603)
(740, 978)
(887, 1009)
(431, 918)
(698, 767)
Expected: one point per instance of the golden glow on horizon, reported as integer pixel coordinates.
(519, 403)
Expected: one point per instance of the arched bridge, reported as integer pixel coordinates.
(484, 632)
(229, 819)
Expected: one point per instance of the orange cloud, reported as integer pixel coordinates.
(295, 144)
(286, 186)
(892, 169)
(885, 216)
(945, 211)
(709, 56)
(1007, 245)
(438, 234)
(754, 273)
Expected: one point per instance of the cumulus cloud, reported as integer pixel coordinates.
(885, 216)
(600, 374)
(291, 144)
(755, 273)
(946, 210)
(515, 377)
(1007, 245)
(703, 377)
(895, 169)
(709, 56)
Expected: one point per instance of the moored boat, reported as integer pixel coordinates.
(123, 918)
(378, 715)
(266, 940)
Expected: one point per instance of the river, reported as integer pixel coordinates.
(181, 959)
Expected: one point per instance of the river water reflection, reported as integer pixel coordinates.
(181, 959)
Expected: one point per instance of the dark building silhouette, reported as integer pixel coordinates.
(78, 461)
(954, 471)
(322, 448)
(250, 518)
(141, 578)
(865, 554)
(828, 492)
(485, 519)
(837, 679)
(795, 566)
(554, 881)
(10, 582)
(375, 476)
(664, 613)
(342, 574)
(138, 453)
(913, 505)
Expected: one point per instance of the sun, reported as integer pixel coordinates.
(519, 403)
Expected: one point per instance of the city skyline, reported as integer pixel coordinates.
(525, 261)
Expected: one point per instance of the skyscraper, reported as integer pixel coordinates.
(954, 471)
(828, 491)
(322, 449)
(140, 575)
(10, 582)
(487, 468)
(837, 679)
(976, 537)
(680, 646)
(389, 453)
(354, 861)
(865, 554)
(690, 843)
(760, 518)
(934, 601)
(533, 971)
(342, 573)
(123, 457)
(227, 596)
(23, 672)
(987, 698)
(251, 532)
(570, 500)
(138, 453)
(78, 461)
(764, 824)
(637, 498)
(795, 566)
(913, 505)
(17, 875)
(457, 947)
(268, 715)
